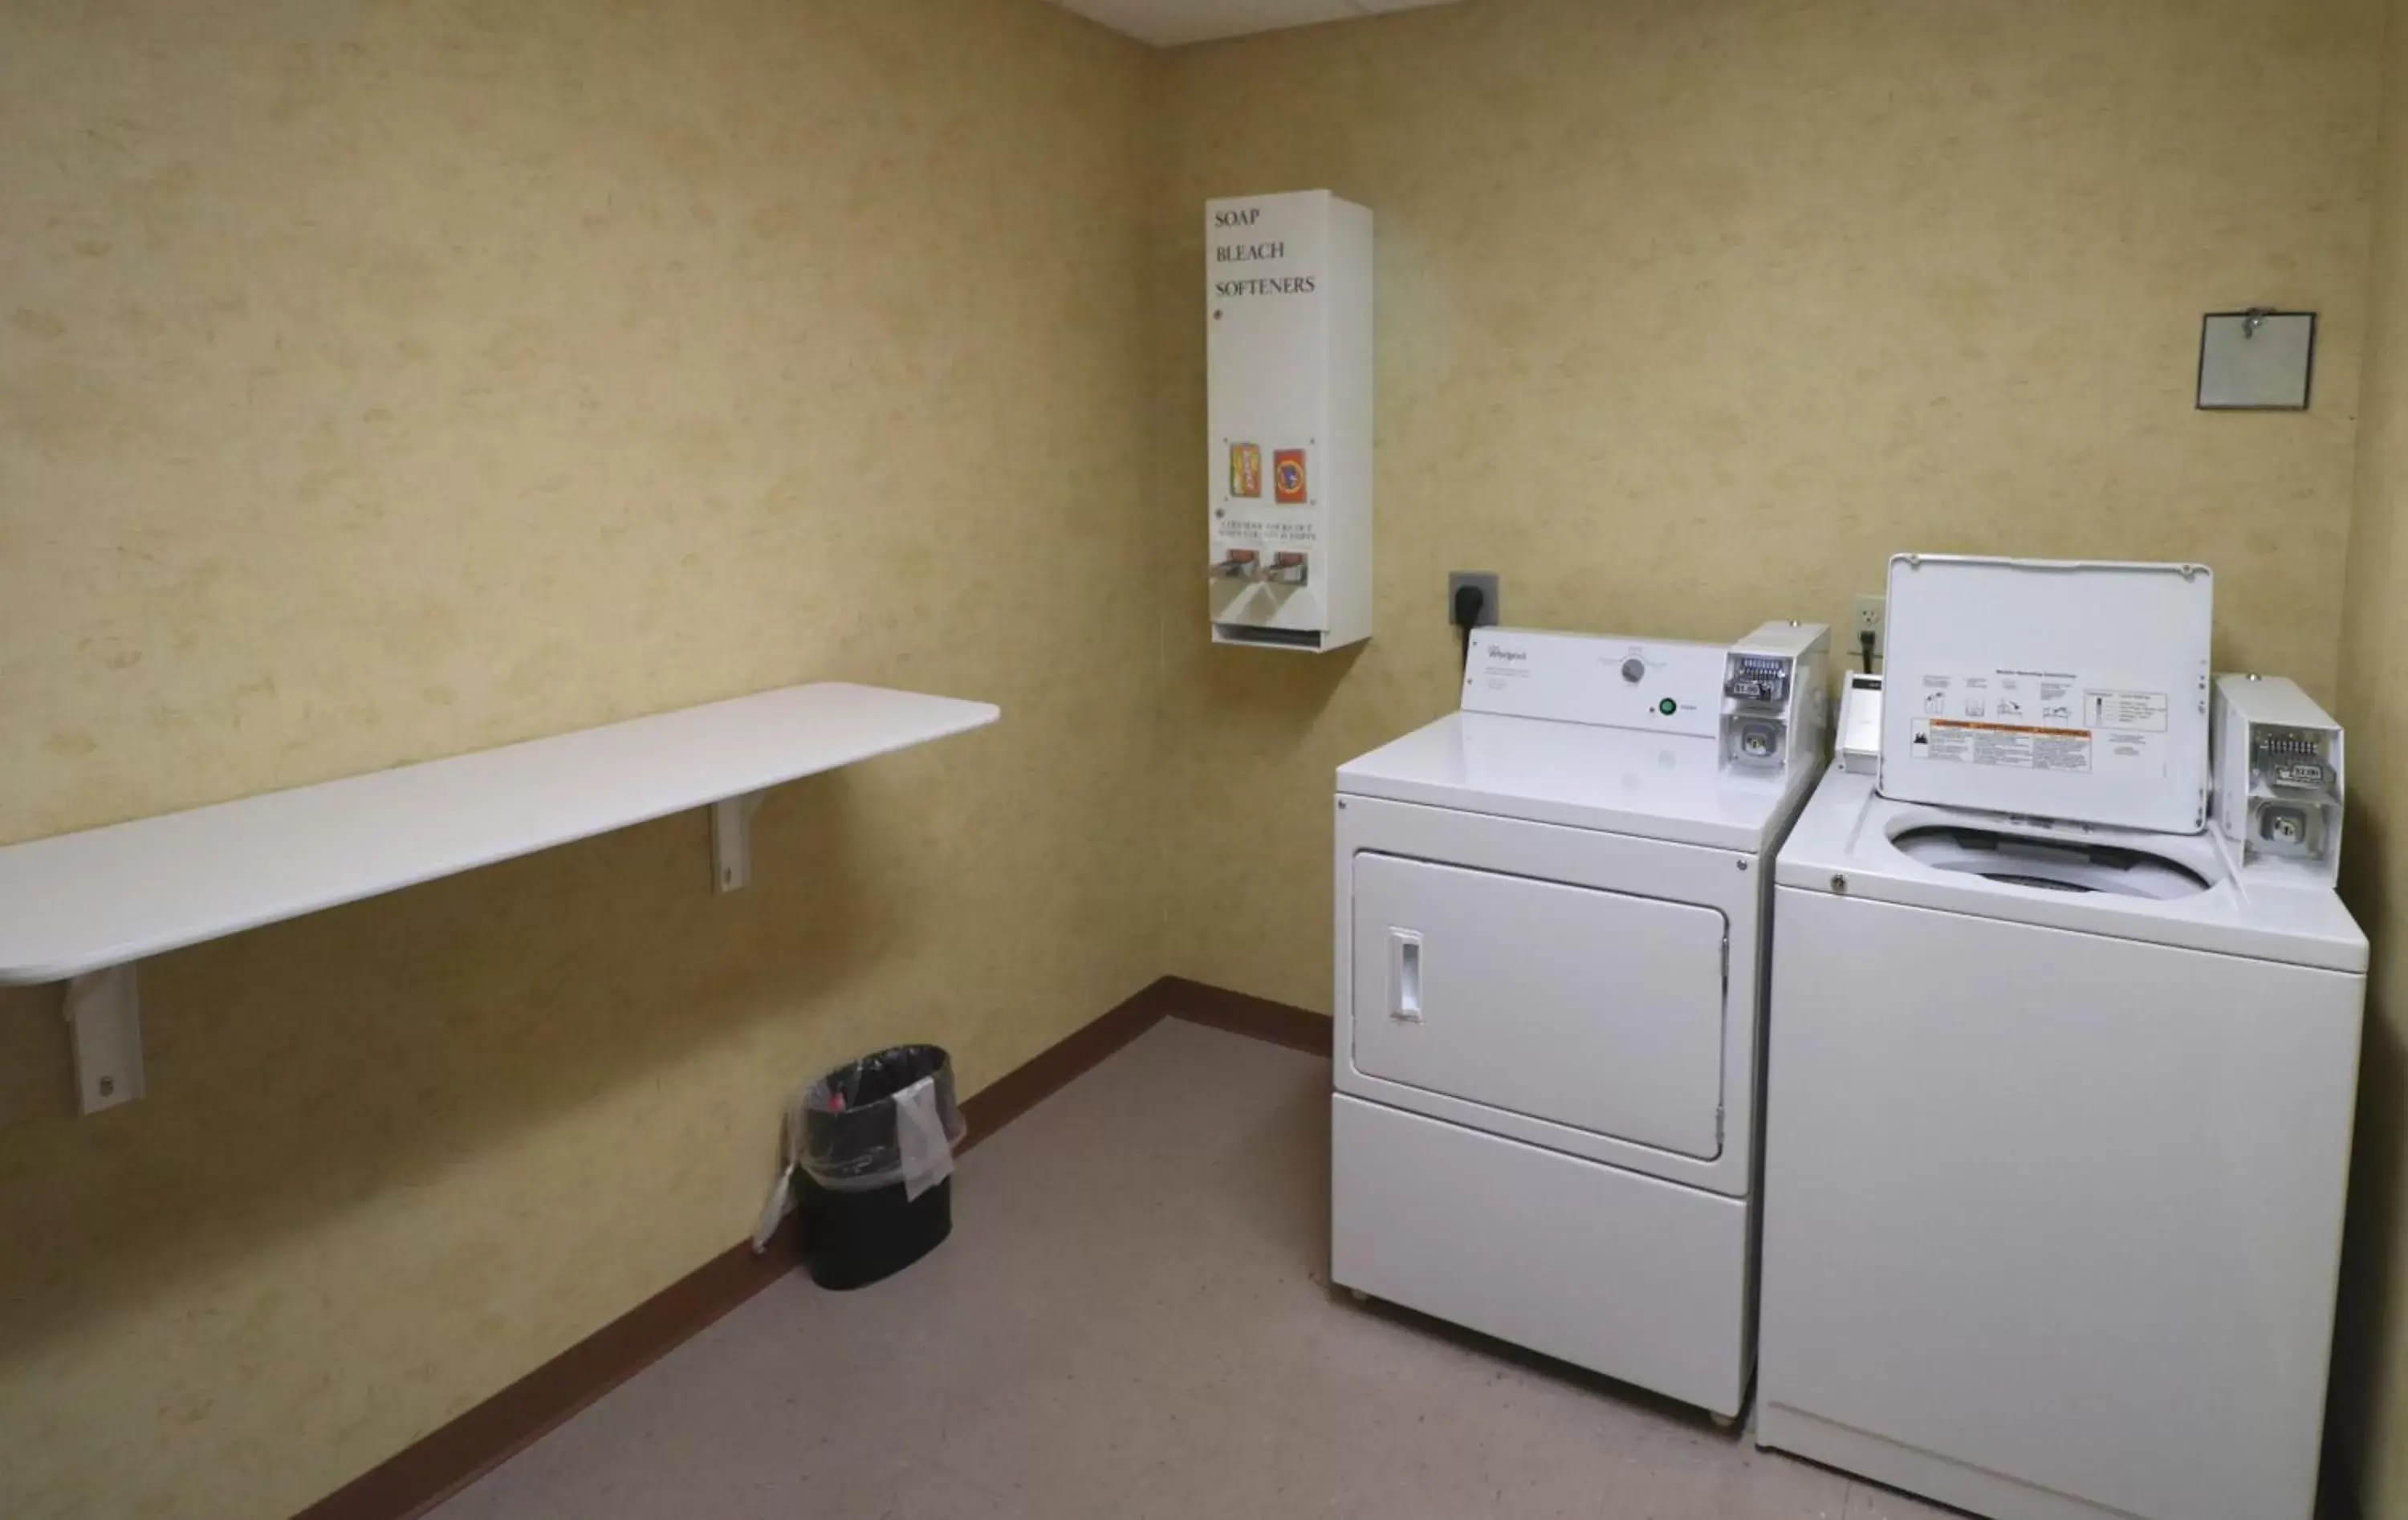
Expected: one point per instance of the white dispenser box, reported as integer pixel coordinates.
(1776, 698)
(1287, 304)
(2278, 778)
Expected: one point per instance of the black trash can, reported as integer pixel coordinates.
(861, 1219)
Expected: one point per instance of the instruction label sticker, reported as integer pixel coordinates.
(1265, 529)
(2143, 710)
(2042, 721)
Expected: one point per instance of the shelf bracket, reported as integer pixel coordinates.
(731, 841)
(104, 1013)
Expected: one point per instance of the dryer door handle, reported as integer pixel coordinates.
(1405, 975)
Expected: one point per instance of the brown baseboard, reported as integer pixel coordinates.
(1059, 1065)
(438, 1465)
(1282, 1023)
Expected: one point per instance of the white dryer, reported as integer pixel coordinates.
(2058, 1114)
(1550, 933)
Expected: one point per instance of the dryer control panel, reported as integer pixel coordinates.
(1763, 697)
(1663, 685)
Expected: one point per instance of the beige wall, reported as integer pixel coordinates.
(1690, 314)
(2371, 1359)
(381, 381)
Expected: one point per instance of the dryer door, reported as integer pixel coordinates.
(1596, 1010)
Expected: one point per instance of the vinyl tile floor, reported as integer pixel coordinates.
(1133, 1318)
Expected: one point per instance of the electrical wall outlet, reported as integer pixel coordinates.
(1872, 618)
(1491, 596)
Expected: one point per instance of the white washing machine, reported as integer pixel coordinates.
(1550, 909)
(2058, 1114)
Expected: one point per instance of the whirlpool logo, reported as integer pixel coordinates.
(1497, 651)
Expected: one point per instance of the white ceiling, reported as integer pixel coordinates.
(1167, 24)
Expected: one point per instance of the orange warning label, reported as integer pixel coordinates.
(2013, 746)
(2009, 727)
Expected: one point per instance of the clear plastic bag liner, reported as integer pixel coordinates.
(869, 1124)
(851, 1123)
(774, 1208)
(927, 1151)
(781, 1201)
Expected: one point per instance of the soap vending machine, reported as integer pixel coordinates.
(1287, 299)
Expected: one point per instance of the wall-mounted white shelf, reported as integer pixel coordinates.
(82, 907)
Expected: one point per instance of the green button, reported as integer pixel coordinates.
(1668, 706)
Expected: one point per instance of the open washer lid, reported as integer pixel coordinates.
(2068, 689)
